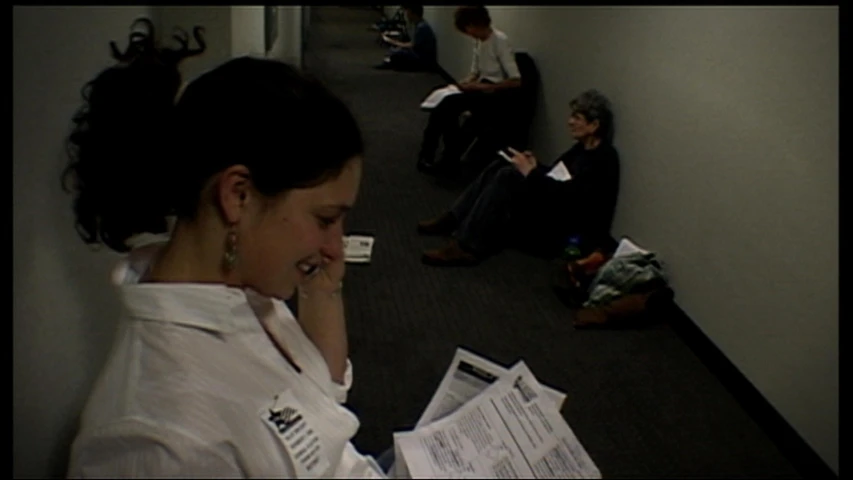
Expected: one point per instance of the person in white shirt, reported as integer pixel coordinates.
(211, 374)
(493, 76)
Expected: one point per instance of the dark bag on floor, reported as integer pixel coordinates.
(620, 296)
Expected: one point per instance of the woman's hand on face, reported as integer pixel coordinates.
(328, 276)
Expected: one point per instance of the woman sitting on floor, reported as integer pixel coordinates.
(524, 204)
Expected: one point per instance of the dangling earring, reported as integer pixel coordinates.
(229, 260)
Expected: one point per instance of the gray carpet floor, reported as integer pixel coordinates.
(639, 400)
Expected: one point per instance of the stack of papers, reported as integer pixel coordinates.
(438, 95)
(358, 248)
(487, 421)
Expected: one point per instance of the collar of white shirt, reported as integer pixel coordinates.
(214, 307)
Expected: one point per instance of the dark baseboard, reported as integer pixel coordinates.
(804, 459)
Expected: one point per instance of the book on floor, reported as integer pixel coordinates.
(358, 248)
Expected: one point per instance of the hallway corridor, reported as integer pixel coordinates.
(639, 400)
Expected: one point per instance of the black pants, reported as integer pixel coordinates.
(499, 209)
(406, 60)
(484, 209)
(444, 125)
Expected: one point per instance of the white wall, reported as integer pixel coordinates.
(390, 10)
(235, 31)
(306, 25)
(217, 22)
(727, 125)
(64, 310)
(288, 45)
(247, 31)
(454, 49)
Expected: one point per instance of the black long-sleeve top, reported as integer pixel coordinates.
(583, 205)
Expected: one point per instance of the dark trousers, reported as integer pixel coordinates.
(498, 209)
(405, 59)
(444, 124)
(485, 209)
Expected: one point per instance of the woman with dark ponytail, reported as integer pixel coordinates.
(212, 375)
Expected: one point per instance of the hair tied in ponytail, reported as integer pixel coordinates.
(118, 149)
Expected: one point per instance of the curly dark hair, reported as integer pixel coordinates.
(137, 155)
(472, 16)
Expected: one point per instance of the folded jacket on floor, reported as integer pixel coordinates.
(632, 273)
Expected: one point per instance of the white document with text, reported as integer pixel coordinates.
(469, 375)
(511, 430)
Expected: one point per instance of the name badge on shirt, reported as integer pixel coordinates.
(285, 418)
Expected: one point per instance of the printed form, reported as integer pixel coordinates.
(511, 429)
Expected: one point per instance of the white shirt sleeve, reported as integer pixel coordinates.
(341, 391)
(355, 465)
(134, 449)
(506, 55)
(475, 60)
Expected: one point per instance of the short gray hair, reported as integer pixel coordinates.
(593, 105)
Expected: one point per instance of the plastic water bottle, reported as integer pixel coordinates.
(573, 248)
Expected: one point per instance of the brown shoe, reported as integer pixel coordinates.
(629, 308)
(443, 225)
(451, 255)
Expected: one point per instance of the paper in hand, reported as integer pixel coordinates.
(510, 430)
(560, 173)
(468, 375)
(505, 156)
(438, 95)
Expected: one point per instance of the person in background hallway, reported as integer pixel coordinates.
(519, 204)
(419, 54)
(494, 74)
(210, 368)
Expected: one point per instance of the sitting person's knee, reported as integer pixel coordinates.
(507, 171)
